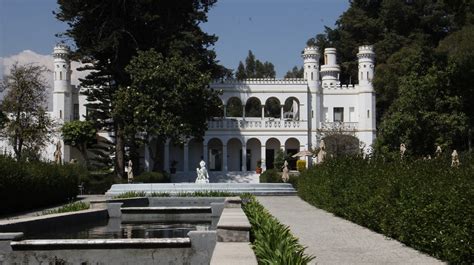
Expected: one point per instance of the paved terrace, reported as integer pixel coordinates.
(334, 240)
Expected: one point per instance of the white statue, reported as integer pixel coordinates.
(202, 175)
(438, 151)
(403, 149)
(322, 151)
(285, 177)
(58, 154)
(455, 159)
(130, 171)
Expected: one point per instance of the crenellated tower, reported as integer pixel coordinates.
(62, 84)
(311, 57)
(366, 96)
(330, 70)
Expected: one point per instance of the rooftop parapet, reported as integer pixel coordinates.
(366, 51)
(61, 51)
(262, 81)
(310, 52)
(338, 87)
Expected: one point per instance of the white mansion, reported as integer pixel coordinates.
(260, 115)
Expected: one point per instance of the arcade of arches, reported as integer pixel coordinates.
(253, 108)
(234, 154)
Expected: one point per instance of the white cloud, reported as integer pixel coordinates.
(28, 57)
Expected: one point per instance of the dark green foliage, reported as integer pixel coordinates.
(272, 241)
(152, 177)
(97, 182)
(254, 68)
(25, 186)
(425, 204)
(79, 134)
(295, 72)
(271, 176)
(132, 194)
(70, 207)
(280, 158)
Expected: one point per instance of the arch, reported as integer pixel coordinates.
(234, 107)
(291, 109)
(273, 108)
(214, 149)
(271, 148)
(253, 107)
(234, 154)
(292, 146)
(254, 153)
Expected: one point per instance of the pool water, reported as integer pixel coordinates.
(114, 228)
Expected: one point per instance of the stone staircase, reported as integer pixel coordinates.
(261, 189)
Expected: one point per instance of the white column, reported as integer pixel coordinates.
(244, 158)
(281, 112)
(243, 111)
(225, 111)
(264, 157)
(263, 112)
(186, 157)
(147, 158)
(166, 162)
(224, 158)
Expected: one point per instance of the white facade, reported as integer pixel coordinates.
(288, 114)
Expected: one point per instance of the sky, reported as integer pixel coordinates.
(275, 30)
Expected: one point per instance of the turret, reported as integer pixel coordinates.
(366, 57)
(330, 70)
(311, 66)
(62, 83)
(366, 95)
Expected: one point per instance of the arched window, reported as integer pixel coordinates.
(311, 75)
(234, 107)
(60, 75)
(367, 75)
(273, 108)
(253, 108)
(291, 109)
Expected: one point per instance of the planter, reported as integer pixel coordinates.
(259, 170)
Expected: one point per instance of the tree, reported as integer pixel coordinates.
(169, 97)
(28, 127)
(79, 134)
(295, 73)
(108, 35)
(254, 68)
(3, 119)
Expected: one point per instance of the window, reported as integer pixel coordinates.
(311, 75)
(325, 59)
(76, 112)
(60, 114)
(367, 75)
(368, 113)
(352, 114)
(338, 114)
(326, 114)
(60, 75)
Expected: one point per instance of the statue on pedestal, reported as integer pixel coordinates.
(322, 152)
(455, 159)
(438, 151)
(202, 175)
(130, 171)
(403, 149)
(58, 155)
(285, 177)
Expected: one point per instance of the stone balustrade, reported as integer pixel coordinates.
(259, 124)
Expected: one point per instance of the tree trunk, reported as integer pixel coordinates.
(119, 151)
(85, 155)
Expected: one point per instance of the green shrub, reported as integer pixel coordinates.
(25, 185)
(301, 165)
(98, 182)
(425, 204)
(152, 177)
(272, 241)
(270, 176)
(131, 194)
(70, 207)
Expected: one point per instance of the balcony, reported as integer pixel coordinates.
(339, 126)
(256, 124)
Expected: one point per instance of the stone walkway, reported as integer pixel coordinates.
(334, 240)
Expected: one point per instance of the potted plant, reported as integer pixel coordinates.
(173, 166)
(259, 167)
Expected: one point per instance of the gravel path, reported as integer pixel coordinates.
(334, 240)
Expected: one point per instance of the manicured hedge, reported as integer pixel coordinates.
(152, 177)
(272, 241)
(26, 185)
(425, 204)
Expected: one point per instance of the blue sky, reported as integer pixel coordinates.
(275, 30)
